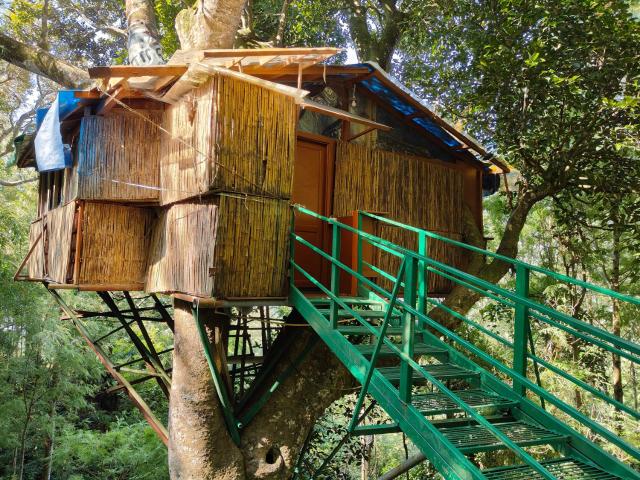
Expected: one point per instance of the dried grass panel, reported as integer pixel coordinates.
(59, 224)
(252, 247)
(436, 249)
(408, 188)
(115, 242)
(186, 145)
(35, 265)
(118, 156)
(222, 246)
(255, 138)
(182, 249)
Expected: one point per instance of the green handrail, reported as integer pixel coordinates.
(521, 453)
(534, 309)
(513, 261)
(376, 350)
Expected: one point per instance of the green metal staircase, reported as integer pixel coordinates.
(450, 397)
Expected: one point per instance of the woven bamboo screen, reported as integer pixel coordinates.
(59, 224)
(228, 135)
(115, 243)
(35, 264)
(407, 188)
(222, 246)
(118, 157)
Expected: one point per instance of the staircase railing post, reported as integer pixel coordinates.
(408, 327)
(423, 279)
(292, 246)
(521, 327)
(335, 276)
(359, 289)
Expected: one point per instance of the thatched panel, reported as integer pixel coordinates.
(185, 145)
(60, 226)
(256, 137)
(115, 242)
(228, 135)
(436, 249)
(35, 264)
(222, 246)
(118, 157)
(411, 189)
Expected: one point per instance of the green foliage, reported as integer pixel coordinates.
(550, 84)
(131, 451)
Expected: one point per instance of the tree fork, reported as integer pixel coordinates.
(199, 443)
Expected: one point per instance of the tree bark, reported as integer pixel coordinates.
(41, 62)
(199, 444)
(143, 40)
(376, 46)
(618, 392)
(209, 24)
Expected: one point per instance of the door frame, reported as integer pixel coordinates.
(330, 147)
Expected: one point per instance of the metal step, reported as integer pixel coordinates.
(442, 371)
(439, 403)
(385, 351)
(563, 468)
(361, 330)
(348, 300)
(361, 313)
(476, 438)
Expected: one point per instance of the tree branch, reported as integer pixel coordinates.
(40, 62)
(15, 183)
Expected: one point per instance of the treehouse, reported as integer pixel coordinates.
(180, 178)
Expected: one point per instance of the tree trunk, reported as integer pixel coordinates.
(197, 432)
(199, 444)
(615, 313)
(143, 40)
(376, 46)
(41, 62)
(209, 24)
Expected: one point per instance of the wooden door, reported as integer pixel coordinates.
(312, 181)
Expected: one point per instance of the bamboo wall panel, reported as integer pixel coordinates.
(222, 246)
(228, 136)
(35, 264)
(118, 157)
(115, 243)
(407, 188)
(59, 224)
(256, 138)
(185, 145)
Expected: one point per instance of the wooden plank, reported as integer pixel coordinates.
(128, 71)
(98, 287)
(17, 276)
(110, 101)
(259, 52)
(312, 71)
(342, 114)
(135, 397)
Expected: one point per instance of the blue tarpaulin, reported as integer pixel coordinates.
(51, 153)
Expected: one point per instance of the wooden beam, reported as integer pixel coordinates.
(259, 52)
(110, 100)
(17, 275)
(146, 412)
(342, 115)
(312, 71)
(128, 71)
